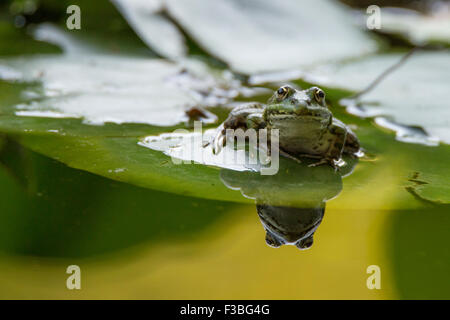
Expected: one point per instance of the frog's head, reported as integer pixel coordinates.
(287, 101)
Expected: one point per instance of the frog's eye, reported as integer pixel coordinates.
(282, 92)
(319, 94)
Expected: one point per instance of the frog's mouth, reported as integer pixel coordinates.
(302, 113)
(294, 117)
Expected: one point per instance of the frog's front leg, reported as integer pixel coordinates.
(337, 137)
(247, 116)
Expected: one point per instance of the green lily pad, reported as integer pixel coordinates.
(116, 100)
(123, 159)
(429, 187)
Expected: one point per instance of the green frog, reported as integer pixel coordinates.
(306, 126)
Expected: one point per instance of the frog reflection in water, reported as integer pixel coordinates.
(289, 225)
(306, 126)
(290, 204)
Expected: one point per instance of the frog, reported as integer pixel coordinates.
(307, 127)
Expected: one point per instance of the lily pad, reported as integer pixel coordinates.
(263, 35)
(411, 95)
(158, 32)
(417, 28)
(113, 88)
(103, 89)
(123, 159)
(129, 97)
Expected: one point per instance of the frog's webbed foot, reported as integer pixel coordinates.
(242, 117)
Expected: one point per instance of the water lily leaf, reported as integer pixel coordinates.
(124, 159)
(415, 27)
(91, 83)
(153, 28)
(429, 187)
(263, 35)
(103, 89)
(57, 85)
(411, 95)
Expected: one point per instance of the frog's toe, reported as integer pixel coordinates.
(218, 144)
(289, 156)
(320, 162)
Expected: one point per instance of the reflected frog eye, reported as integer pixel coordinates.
(319, 94)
